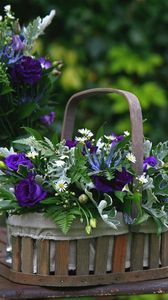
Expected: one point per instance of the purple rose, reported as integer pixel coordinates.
(102, 184)
(71, 143)
(121, 179)
(28, 192)
(48, 119)
(45, 63)
(150, 161)
(14, 160)
(27, 70)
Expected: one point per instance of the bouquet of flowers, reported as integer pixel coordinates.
(85, 178)
(26, 81)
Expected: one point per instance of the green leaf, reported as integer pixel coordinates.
(33, 132)
(100, 133)
(62, 218)
(22, 170)
(6, 195)
(26, 110)
(120, 195)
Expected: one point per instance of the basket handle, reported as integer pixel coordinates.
(135, 117)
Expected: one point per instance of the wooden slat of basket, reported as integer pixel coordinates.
(153, 251)
(137, 251)
(83, 257)
(16, 253)
(102, 244)
(61, 257)
(119, 253)
(164, 249)
(43, 257)
(27, 255)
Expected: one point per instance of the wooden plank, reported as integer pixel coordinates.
(86, 280)
(83, 257)
(43, 257)
(16, 253)
(61, 257)
(153, 251)
(27, 255)
(119, 253)
(164, 249)
(137, 251)
(102, 244)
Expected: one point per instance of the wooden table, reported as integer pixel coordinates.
(10, 290)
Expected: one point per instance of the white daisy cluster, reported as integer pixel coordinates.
(142, 178)
(86, 135)
(131, 157)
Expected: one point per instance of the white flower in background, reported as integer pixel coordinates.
(61, 186)
(81, 139)
(32, 154)
(110, 137)
(131, 157)
(86, 132)
(46, 21)
(126, 133)
(1, 18)
(142, 179)
(7, 10)
(59, 163)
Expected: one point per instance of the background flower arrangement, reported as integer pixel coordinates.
(26, 80)
(85, 179)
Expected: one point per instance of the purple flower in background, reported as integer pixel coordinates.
(45, 63)
(149, 161)
(14, 160)
(12, 53)
(116, 139)
(28, 192)
(27, 70)
(48, 119)
(71, 143)
(102, 184)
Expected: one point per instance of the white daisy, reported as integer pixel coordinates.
(32, 154)
(110, 137)
(7, 10)
(126, 133)
(131, 157)
(81, 139)
(61, 186)
(86, 132)
(142, 179)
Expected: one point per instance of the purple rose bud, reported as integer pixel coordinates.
(71, 143)
(45, 63)
(17, 43)
(149, 161)
(28, 192)
(14, 160)
(48, 119)
(27, 70)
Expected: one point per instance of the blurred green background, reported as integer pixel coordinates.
(121, 44)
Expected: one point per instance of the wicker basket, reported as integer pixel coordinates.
(133, 255)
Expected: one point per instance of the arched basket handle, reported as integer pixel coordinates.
(135, 117)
